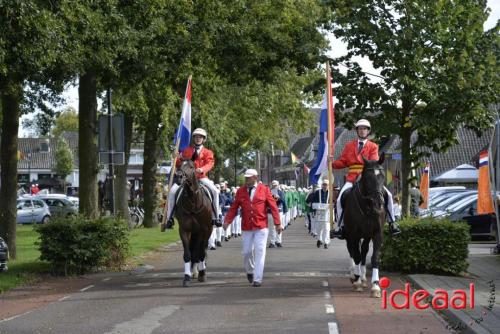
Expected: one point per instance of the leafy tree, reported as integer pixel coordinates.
(67, 120)
(29, 47)
(64, 160)
(438, 69)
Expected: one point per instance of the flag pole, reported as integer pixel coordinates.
(330, 142)
(173, 168)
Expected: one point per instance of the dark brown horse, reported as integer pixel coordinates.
(194, 214)
(364, 217)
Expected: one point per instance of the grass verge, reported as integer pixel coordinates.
(28, 268)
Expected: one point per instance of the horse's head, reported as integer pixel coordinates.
(187, 170)
(373, 179)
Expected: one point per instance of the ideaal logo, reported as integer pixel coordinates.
(420, 298)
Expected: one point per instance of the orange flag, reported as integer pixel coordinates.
(484, 200)
(424, 187)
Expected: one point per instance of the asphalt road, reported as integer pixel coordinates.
(305, 290)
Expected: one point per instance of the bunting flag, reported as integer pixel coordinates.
(183, 133)
(321, 163)
(484, 200)
(424, 187)
(295, 160)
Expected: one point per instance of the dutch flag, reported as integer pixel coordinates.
(184, 130)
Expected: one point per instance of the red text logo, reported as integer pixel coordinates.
(422, 299)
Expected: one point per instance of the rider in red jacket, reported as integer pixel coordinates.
(352, 158)
(203, 159)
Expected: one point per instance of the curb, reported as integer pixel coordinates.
(457, 321)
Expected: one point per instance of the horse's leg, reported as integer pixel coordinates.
(357, 285)
(202, 266)
(351, 262)
(377, 243)
(186, 237)
(365, 246)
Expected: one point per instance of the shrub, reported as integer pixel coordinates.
(77, 245)
(427, 245)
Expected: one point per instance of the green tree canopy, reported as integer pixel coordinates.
(438, 69)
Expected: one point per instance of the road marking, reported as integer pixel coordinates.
(328, 295)
(106, 279)
(333, 328)
(329, 309)
(86, 288)
(145, 324)
(325, 283)
(63, 298)
(14, 317)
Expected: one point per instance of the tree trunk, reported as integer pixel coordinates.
(87, 144)
(151, 137)
(122, 193)
(8, 161)
(405, 167)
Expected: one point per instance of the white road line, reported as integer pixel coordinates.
(106, 279)
(14, 317)
(333, 328)
(63, 298)
(86, 288)
(145, 324)
(327, 295)
(329, 309)
(325, 283)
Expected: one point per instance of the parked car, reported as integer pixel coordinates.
(59, 206)
(32, 210)
(442, 202)
(466, 210)
(4, 255)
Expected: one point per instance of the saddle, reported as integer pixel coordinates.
(356, 184)
(206, 191)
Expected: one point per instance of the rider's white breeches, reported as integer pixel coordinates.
(347, 185)
(206, 182)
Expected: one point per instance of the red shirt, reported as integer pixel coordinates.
(353, 160)
(253, 213)
(205, 160)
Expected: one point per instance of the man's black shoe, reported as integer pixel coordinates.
(278, 244)
(326, 246)
(318, 244)
(394, 229)
(256, 284)
(213, 248)
(170, 223)
(271, 246)
(250, 278)
(218, 244)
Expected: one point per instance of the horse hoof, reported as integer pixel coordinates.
(357, 286)
(364, 283)
(202, 277)
(187, 281)
(375, 291)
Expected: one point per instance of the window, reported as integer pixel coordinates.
(26, 205)
(38, 204)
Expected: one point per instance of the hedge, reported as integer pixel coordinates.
(428, 245)
(76, 245)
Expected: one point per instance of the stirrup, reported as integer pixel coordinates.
(338, 233)
(170, 223)
(394, 229)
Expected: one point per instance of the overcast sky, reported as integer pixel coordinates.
(338, 48)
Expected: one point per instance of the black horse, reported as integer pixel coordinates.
(194, 214)
(364, 218)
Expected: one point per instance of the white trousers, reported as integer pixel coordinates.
(206, 182)
(347, 185)
(274, 237)
(211, 240)
(254, 252)
(324, 231)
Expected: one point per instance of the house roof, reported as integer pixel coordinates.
(461, 174)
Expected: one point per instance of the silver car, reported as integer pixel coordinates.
(60, 207)
(32, 211)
